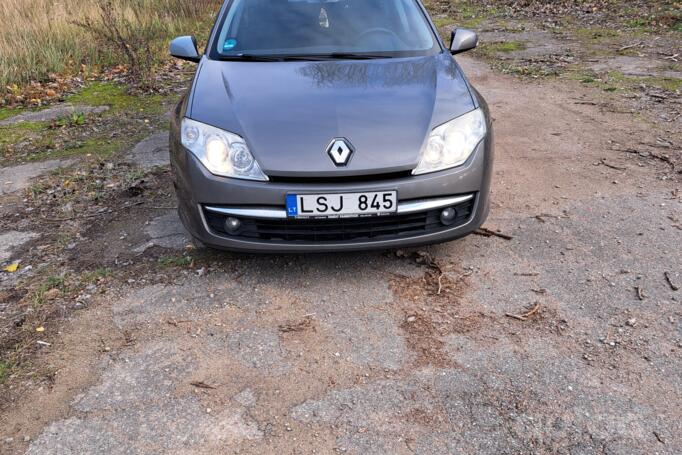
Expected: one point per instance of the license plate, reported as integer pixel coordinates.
(342, 205)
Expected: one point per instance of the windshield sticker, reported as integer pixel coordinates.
(230, 44)
(324, 18)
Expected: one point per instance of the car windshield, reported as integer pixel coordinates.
(341, 28)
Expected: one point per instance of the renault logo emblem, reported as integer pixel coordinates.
(340, 151)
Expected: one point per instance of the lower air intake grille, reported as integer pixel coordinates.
(340, 229)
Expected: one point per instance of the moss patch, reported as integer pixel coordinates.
(596, 34)
(98, 147)
(490, 51)
(613, 81)
(116, 97)
(507, 46)
(666, 83)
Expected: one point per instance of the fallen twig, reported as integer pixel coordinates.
(541, 217)
(604, 163)
(524, 317)
(202, 385)
(640, 293)
(664, 158)
(296, 326)
(483, 232)
(669, 279)
(93, 215)
(440, 283)
(176, 323)
(630, 46)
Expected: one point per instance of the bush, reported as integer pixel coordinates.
(41, 37)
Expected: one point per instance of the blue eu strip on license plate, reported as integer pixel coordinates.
(292, 205)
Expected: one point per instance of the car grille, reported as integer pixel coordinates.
(341, 229)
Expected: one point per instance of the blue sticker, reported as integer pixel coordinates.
(292, 205)
(230, 44)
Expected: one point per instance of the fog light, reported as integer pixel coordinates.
(232, 225)
(448, 216)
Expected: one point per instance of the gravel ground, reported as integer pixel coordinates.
(564, 339)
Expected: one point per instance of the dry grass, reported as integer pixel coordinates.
(40, 37)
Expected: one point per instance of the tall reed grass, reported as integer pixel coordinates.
(40, 37)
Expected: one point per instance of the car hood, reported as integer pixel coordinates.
(289, 112)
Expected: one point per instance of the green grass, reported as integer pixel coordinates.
(5, 369)
(95, 275)
(6, 113)
(48, 142)
(175, 261)
(597, 34)
(101, 147)
(12, 134)
(442, 22)
(52, 282)
(666, 83)
(507, 46)
(614, 81)
(490, 51)
(15, 134)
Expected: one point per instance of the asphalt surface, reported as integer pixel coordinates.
(564, 339)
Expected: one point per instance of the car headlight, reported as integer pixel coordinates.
(450, 145)
(224, 154)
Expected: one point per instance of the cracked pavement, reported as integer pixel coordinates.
(360, 353)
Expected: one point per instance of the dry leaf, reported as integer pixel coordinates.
(11, 268)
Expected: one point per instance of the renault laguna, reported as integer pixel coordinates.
(329, 125)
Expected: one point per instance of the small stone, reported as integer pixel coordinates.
(411, 319)
(52, 294)
(631, 322)
(27, 439)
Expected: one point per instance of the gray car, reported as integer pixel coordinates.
(329, 125)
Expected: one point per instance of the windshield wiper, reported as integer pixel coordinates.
(355, 56)
(301, 57)
(251, 58)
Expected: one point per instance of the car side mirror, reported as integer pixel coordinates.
(463, 40)
(185, 48)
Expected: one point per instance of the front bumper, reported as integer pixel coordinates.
(261, 205)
